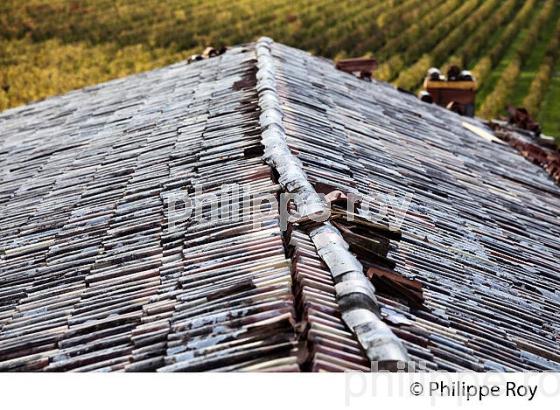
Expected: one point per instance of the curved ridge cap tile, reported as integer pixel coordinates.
(355, 293)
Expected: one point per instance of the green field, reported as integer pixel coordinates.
(48, 47)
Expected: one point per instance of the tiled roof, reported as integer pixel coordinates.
(92, 278)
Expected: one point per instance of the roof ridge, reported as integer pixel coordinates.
(381, 345)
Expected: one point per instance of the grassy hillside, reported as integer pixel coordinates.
(48, 47)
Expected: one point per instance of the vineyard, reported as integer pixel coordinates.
(48, 47)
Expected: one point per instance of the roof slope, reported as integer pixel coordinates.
(481, 229)
(91, 277)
